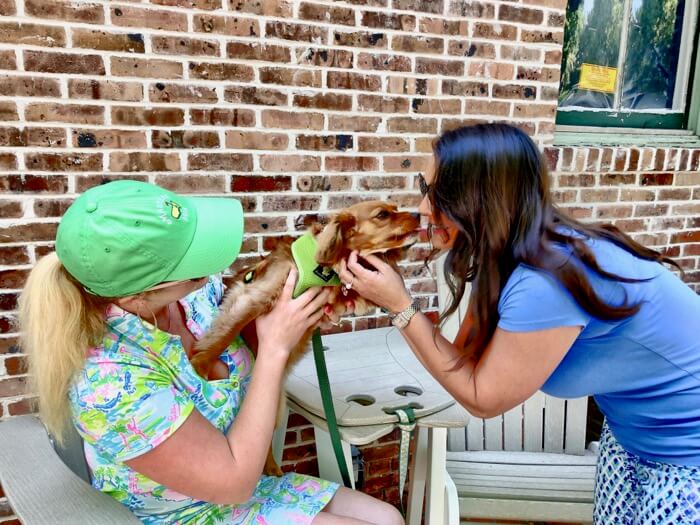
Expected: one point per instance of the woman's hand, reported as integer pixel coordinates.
(383, 286)
(282, 328)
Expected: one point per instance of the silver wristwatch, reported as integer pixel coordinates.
(401, 319)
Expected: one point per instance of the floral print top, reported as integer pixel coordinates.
(138, 387)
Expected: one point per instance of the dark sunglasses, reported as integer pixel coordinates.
(424, 186)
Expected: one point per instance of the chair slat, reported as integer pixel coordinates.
(575, 437)
(493, 433)
(475, 434)
(553, 424)
(513, 429)
(533, 414)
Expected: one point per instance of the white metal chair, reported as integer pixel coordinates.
(531, 463)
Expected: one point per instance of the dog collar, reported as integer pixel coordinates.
(310, 272)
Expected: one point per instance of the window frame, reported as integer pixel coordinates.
(631, 121)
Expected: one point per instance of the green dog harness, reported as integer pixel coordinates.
(310, 272)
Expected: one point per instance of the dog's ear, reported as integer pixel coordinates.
(331, 240)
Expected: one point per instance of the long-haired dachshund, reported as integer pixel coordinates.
(372, 227)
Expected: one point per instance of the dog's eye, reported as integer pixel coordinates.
(383, 214)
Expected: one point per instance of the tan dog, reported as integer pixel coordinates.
(372, 227)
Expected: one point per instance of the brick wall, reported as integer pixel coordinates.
(297, 108)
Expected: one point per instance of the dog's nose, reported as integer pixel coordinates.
(415, 215)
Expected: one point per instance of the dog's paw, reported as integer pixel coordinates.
(201, 365)
(271, 468)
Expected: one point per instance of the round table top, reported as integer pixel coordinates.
(371, 372)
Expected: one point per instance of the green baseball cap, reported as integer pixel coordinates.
(126, 236)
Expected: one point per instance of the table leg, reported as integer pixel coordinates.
(327, 462)
(435, 490)
(279, 435)
(416, 485)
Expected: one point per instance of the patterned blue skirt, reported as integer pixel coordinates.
(630, 490)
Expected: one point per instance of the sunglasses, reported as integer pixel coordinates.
(169, 284)
(423, 186)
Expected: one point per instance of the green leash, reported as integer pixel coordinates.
(407, 423)
(328, 408)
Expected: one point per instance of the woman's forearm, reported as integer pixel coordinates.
(250, 434)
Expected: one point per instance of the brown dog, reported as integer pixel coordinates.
(372, 227)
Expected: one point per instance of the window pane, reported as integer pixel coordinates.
(652, 54)
(592, 36)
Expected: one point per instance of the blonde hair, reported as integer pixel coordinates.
(59, 321)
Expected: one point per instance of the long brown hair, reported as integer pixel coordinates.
(492, 182)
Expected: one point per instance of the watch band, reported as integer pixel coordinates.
(401, 319)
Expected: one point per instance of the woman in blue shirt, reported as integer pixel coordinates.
(569, 308)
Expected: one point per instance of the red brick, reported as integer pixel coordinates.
(255, 95)
(381, 104)
(471, 49)
(431, 66)
(178, 45)
(324, 142)
(32, 34)
(97, 39)
(105, 90)
(226, 25)
(33, 183)
(314, 183)
(360, 39)
(108, 138)
(254, 183)
(46, 62)
(255, 51)
(347, 80)
(192, 183)
(17, 408)
(11, 209)
(327, 14)
(329, 101)
(143, 161)
(7, 59)
(488, 31)
(222, 117)
(655, 179)
(12, 255)
(492, 70)
(427, 6)
(512, 13)
(545, 37)
(426, 106)
(383, 144)
(256, 140)
(470, 88)
(36, 231)
(151, 18)
(220, 161)
(44, 137)
(184, 139)
(413, 86)
(382, 20)
(145, 68)
(221, 71)
(63, 161)
(347, 123)
(7, 8)
(8, 161)
(136, 116)
(382, 182)
(65, 11)
(291, 120)
(418, 44)
(412, 125)
(290, 76)
(291, 202)
(51, 207)
(325, 57)
(384, 62)
(296, 32)
(284, 163)
(278, 8)
(196, 4)
(483, 107)
(351, 164)
(407, 163)
(29, 86)
(181, 93)
(72, 113)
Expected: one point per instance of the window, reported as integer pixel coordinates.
(627, 63)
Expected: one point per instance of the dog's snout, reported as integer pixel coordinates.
(415, 215)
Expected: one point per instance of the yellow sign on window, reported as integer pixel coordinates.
(598, 78)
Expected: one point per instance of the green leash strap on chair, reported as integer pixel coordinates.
(407, 423)
(328, 407)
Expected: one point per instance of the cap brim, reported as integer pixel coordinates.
(217, 238)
